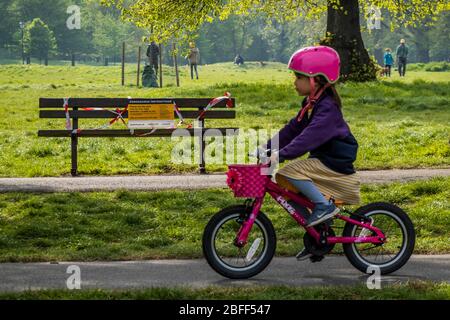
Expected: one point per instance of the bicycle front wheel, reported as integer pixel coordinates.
(232, 261)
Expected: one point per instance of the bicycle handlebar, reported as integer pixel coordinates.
(262, 155)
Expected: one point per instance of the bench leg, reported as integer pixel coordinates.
(74, 152)
(202, 165)
(74, 148)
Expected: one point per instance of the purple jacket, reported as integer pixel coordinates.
(324, 134)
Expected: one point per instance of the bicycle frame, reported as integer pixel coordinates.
(279, 194)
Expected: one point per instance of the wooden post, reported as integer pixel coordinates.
(160, 66)
(74, 147)
(176, 65)
(123, 63)
(202, 145)
(138, 66)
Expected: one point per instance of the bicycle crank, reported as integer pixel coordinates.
(318, 249)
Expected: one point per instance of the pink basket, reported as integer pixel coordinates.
(246, 180)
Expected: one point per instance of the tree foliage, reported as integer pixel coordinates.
(182, 19)
(39, 40)
(269, 30)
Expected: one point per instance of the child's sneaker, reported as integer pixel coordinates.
(303, 255)
(321, 213)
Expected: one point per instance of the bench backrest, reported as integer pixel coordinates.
(75, 104)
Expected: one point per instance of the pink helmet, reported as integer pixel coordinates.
(314, 61)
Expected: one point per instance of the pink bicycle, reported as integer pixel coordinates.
(239, 241)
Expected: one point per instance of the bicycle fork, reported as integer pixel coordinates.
(242, 235)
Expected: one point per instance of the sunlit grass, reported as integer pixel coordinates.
(126, 225)
(399, 123)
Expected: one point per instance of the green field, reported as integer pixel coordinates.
(411, 291)
(126, 225)
(399, 123)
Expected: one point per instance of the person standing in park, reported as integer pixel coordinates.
(153, 54)
(238, 60)
(194, 59)
(402, 55)
(388, 62)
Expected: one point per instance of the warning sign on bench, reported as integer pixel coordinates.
(149, 114)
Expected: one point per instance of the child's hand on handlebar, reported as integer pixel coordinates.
(274, 157)
(266, 156)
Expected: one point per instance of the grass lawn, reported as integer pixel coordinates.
(125, 225)
(399, 122)
(410, 291)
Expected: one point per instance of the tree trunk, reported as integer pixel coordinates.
(378, 50)
(175, 63)
(379, 55)
(244, 37)
(283, 45)
(421, 39)
(344, 35)
(234, 41)
(160, 66)
(73, 59)
(423, 54)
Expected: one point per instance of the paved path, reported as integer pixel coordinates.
(186, 182)
(333, 270)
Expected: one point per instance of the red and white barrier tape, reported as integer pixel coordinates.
(119, 114)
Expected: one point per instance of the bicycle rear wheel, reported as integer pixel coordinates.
(392, 254)
(230, 260)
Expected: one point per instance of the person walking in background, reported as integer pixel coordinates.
(402, 55)
(388, 62)
(153, 54)
(194, 59)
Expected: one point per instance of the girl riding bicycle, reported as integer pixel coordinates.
(320, 129)
(239, 241)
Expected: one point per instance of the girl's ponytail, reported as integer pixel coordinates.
(336, 96)
(331, 90)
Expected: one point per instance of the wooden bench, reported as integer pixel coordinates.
(190, 108)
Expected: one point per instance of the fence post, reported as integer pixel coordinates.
(123, 63)
(74, 146)
(138, 66)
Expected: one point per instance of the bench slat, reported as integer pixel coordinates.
(123, 102)
(127, 133)
(95, 114)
